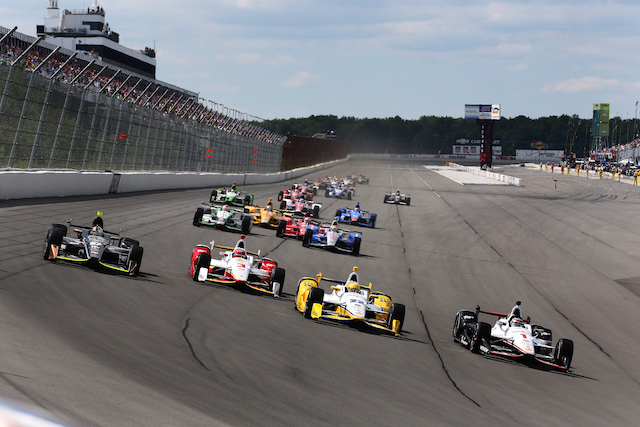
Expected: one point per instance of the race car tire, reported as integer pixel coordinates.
(55, 234)
(214, 196)
(247, 220)
(564, 353)
(357, 241)
(282, 225)
(198, 216)
(135, 255)
(127, 242)
(278, 277)
(483, 330)
(396, 312)
(283, 205)
(372, 219)
(315, 295)
(247, 200)
(308, 197)
(326, 193)
(349, 195)
(338, 213)
(280, 195)
(306, 240)
(408, 201)
(203, 260)
(316, 211)
(385, 198)
(459, 324)
(315, 191)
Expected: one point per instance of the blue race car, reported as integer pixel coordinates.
(329, 236)
(341, 192)
(356, 216)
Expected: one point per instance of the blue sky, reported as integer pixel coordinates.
(377, 59)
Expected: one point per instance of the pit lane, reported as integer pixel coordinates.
(96, 348)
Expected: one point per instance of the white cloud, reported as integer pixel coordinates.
(584, 84)
(301, 79)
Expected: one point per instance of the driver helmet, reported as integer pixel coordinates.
(334, 226)
(357, 208)
(398, 191)
(517, 322)
(96, 230)
(225, 208)
(352, 287)
(240, 252)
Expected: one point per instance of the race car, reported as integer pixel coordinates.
(513, 337)
(265, 216)
(332, 238)
(224, 218)
(301, 206)
(94, 247)
(237, 267)
(356, 216)
(231, 196)
(398, 198)
(305, 191)
(295, 227)
(350, 301)
(340, 191)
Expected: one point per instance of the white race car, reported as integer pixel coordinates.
(237, 267)
(349, 302)
(511, 336)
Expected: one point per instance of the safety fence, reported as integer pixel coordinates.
(46, 122)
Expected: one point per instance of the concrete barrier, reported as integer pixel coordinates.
(22, 184)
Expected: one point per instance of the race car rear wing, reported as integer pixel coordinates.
(494, 313)
(85, 227)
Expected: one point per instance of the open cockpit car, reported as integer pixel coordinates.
(356, 216)
(398, 198)
(237, 266)
(231, 196)
(340, 191)
(94, 247)
(295, 226)
(265, 216)
(223, 217)
(350, 301)
(512, 338)
(330, 237)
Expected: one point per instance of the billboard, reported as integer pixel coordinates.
(482, 111)
(600, 124)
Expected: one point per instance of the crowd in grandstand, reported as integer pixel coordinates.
(147, 93)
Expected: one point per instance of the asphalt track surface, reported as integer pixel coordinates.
(97, 349)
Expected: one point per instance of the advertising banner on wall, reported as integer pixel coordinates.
(482, 111)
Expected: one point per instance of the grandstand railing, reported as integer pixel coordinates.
(61, 109)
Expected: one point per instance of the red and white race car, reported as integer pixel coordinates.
(237, 266)
(295, 227)
(304, 190)
(301, 206)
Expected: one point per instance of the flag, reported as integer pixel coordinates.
(123, 136)
(209, 157)
(209, 149)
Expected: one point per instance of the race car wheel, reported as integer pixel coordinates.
(315, 191)
(326, 193)
(316, 211)
(247, 200)
(356, 246)
(283, 205)
(315, 295)
(198, 217)
(308, 197)
(214, 196)
(203, 261)
(373, 218)
(459, 323)
(306, 240)
(408, 200)
(483, 331)
(396, 312)
(247, 220)
(564, 352)
(135, 256)
(338, 213)
(282, 225)
(127, 242)
(278, 277)
(349, 195)
(54, 237)
(385, 198)
(280, 195)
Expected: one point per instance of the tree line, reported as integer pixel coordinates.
(431, 134)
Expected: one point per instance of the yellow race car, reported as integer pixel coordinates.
(349, 302)
(265, 216)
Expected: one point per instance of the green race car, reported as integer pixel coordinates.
(231, 196)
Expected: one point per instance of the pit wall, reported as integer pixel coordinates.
(22, 184)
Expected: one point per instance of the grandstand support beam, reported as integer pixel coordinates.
(88, 85)
(44, 61)
(115, 92)
(75, 79)
(117, 73)
(27, 50)
(142, 93)
(126, 95)
(166, 104)
(6, 36)
(62, 67)
(161, 98)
